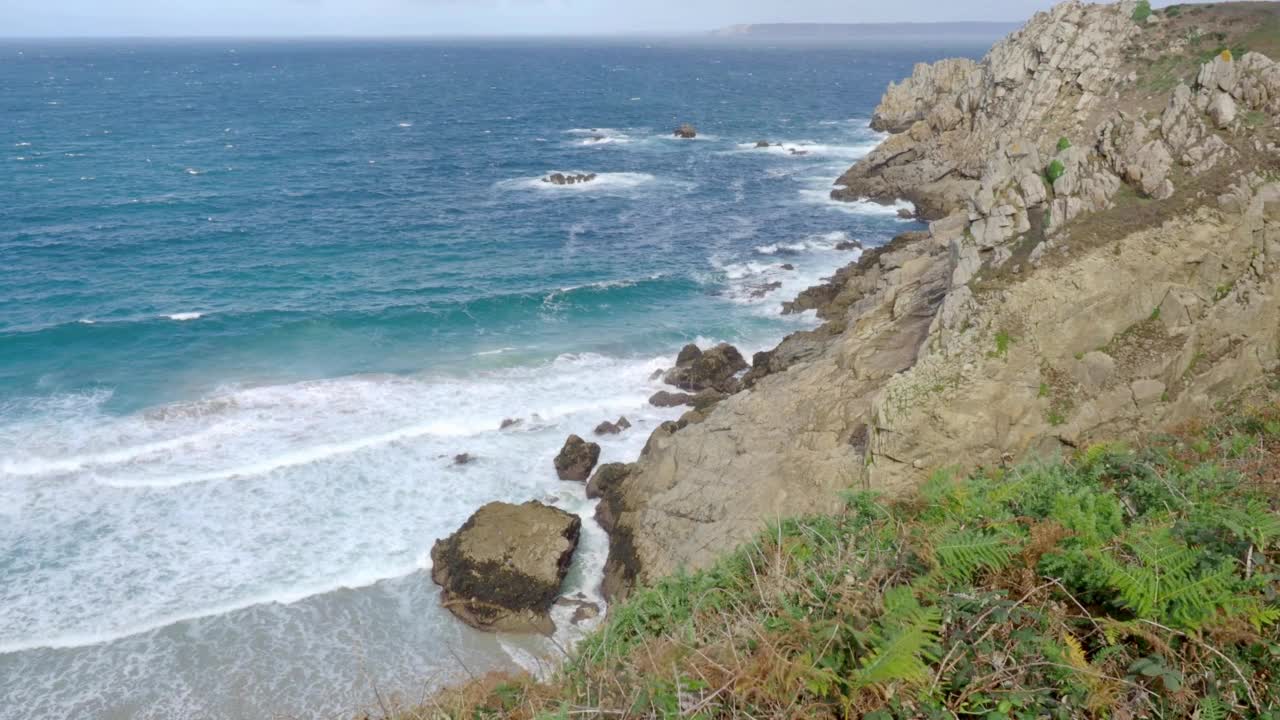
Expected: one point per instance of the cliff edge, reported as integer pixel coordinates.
(1104, 197)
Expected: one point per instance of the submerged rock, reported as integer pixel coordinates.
(613, 428)
(509, 423)
(762, 143)
(463, 459)
(576, 459)
(502, 570)
(686, 131)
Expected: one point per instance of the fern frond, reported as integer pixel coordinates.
(1211, 709)
(961, 554)
(907, 639)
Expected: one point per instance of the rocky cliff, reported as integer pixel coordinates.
(1104, 197)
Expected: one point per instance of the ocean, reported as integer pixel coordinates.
(255, 296)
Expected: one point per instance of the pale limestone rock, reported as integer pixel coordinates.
(1146, 392)
(1222, 109)
(1218, 74)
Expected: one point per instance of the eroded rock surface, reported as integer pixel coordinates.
(502, 570)
(1103, 258)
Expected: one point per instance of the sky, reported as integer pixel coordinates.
(80, 18)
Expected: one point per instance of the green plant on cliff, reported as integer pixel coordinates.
(1055, 170)
(1063, 144)
(1142, 11)
(1117, 583)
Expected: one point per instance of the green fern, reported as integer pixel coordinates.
(1211, 709)
(963, 553)
(905, 642)
(1254, 522)
(1163, 581)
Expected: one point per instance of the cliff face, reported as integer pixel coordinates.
(1103, 258)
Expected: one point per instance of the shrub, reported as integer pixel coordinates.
(1063, 144)
(1142, 12)
(1055, 170)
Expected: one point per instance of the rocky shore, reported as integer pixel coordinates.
(1101, 260)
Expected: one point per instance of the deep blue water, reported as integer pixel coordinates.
(254, 294)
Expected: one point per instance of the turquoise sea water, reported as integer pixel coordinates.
(255, 295)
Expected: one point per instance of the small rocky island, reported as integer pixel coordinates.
(686, 132)
(570, 179)
(502, 570)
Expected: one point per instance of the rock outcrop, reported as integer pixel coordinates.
(613, 428)
(1102, 258)
(576, 459)
(686, 132)
(714, 369)
(571, 179)
(502, 570)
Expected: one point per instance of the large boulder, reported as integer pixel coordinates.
(502, 570)
(576, 459)
(686, 131)
(714, 369)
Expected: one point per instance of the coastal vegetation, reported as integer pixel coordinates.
(1122, 581)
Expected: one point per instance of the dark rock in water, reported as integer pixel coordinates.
(788, 266)
(585, 612)
(762, 143)
(598, 138)
(714, 368)
(905, 214)
(794, 151)
(849, 245)
(759, 291)
(463, 459)
(576, 459)
(686, 131)
(657, 374)
(509, 422)
(613, 428)
(664, 399)
(688, 354)
(502, 570)
(562, 179)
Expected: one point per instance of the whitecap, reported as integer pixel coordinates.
(185, 316)
(405, 124)
(193, 171)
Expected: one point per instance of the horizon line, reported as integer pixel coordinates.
(720, 33)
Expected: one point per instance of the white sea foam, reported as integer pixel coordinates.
(808, 148)
(193, 171)
(269, 494)
(185, 316)
(405, 124)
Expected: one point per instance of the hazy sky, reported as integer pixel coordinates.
(469, 17)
